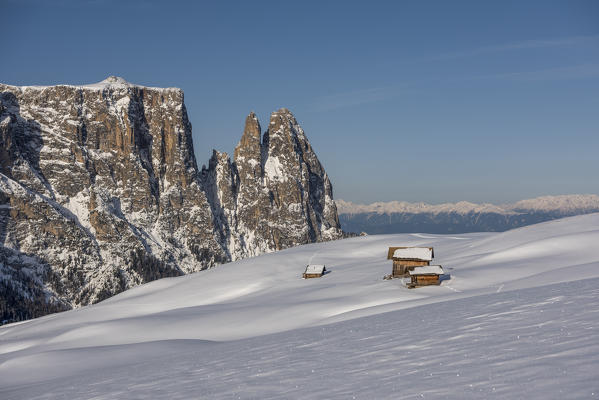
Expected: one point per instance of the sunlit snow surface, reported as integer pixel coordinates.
(517, 318)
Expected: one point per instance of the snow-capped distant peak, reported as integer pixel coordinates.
(572, 202)
(563, 203)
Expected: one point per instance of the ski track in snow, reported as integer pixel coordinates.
(517, 318)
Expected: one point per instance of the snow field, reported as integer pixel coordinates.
(516, 318)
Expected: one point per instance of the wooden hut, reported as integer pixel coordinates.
(407, 258)
(314, 271)
(425, 276)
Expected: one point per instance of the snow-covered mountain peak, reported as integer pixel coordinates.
(464, 216)
(112, 82)
(563, 203)
(115, 80)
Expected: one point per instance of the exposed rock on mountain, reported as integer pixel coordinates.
(275, 194)
(100, 191)
(253, 200)
(402, 217)
(298, 188)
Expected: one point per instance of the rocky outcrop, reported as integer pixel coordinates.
(298, 187)
(253, 200)
(275, 194)
(100, 191)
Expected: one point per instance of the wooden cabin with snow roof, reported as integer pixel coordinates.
(406, 259)
(314, 271)
(425, 276)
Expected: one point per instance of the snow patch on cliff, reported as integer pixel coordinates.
(274, 169)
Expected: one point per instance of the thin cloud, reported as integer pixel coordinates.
(372, 95)
(535, 44)
(560, 73)
(353, 98)
(522, 45)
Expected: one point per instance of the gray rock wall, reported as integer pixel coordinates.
(100, 192)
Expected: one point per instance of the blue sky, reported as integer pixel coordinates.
(415, 100)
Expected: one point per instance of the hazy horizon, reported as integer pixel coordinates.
(454, 202)
(417, 102)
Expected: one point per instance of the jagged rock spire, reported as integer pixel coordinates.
(251, 132)
(299, 187)
(247, 154)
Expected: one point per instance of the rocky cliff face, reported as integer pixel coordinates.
(100, 191)
(275, 194)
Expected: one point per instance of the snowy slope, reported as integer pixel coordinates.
(517, 318)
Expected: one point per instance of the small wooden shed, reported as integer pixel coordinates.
(425, 276)
(407, 258)
(314, 271)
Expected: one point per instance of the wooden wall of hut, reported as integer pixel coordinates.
(312, 276)
(425, 280)
(402, 267)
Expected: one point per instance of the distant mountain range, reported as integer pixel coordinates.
(461, 217)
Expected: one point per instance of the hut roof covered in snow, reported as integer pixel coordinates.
(315, 269)
(412, 253)
(427, 270)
